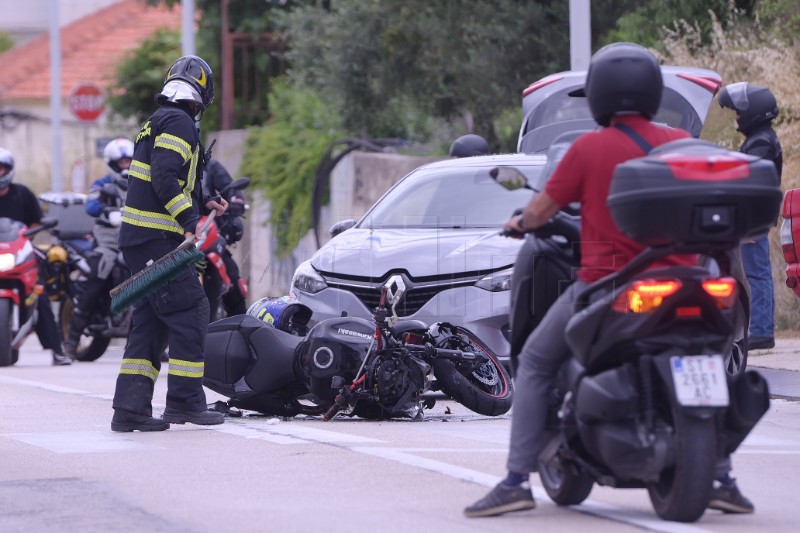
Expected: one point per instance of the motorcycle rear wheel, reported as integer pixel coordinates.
(8, 356)
(90, 348)
(485, 389)
(683, 491)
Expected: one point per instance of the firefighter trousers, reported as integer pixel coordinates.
(175, 316)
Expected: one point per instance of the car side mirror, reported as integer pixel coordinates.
(339, 227)
(510, 178)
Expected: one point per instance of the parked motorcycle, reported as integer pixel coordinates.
(375, 369)
(644, 401)
(223, 232)
(19, 287)
(103, 324)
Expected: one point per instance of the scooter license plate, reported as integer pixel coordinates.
(700, 380)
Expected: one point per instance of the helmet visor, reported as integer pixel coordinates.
(738, 95)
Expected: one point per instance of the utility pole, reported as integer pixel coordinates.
(580, 34)
(55, 98)
(188, 47)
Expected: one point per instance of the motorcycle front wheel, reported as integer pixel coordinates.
(90, 348)
(8, 356)
(683, 490)
(483, 386)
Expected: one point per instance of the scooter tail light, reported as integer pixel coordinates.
(722, 290)
(644, 296)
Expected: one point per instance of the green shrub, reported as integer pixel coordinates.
(282, 156)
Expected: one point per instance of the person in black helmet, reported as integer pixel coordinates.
(755, 109)
(162, 208)
(469, 145)
(623, 88)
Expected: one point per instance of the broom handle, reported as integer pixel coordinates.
(205, 226)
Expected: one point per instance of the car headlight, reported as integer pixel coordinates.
(496, 281)
(6, 262)
(306, 279)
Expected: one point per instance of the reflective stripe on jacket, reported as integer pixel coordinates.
(164, 198)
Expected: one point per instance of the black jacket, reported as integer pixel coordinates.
(165, 197)
(763, 142)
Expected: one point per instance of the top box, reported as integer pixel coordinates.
(694, 192)
(69, 208)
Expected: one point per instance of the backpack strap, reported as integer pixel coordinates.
(635, 137)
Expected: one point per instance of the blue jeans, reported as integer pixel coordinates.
(755, 257)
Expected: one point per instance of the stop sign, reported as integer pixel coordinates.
(87, 101)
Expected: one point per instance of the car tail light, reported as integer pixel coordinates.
(644, 296)
(790, 237)
(723, 290)
(539, 84)
(711, 84)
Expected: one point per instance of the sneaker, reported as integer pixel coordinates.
(201, 418)
(760, 343)
(728, 499)
(59, 359)
(126, 421)
(503, 499)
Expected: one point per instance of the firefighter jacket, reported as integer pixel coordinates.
(164, 198)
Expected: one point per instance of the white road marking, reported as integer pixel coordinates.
(54, 388)
(286, 433)
(81, 442)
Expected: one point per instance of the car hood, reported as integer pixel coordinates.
(368, 253)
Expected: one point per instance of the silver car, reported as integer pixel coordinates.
(437, 229)
(437, 232)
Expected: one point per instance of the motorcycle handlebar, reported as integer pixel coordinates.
(432, 351)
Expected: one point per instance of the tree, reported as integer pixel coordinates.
(141, 75)
(6, 42)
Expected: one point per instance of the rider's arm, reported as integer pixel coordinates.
(94, 202)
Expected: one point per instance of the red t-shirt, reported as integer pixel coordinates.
(584, 175)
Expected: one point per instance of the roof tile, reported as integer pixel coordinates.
(91, 48)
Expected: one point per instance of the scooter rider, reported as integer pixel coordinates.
(231, 228)
(756, 108)
(162, 208)
(106, 208)
(18, 202)
(624, 88)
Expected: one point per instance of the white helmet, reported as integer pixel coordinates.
(6, 159)
(116, 150)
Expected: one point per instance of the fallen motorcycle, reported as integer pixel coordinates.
(375, 369)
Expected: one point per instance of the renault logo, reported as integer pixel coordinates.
(395, 288)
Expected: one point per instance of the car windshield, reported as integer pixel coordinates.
(459, 197)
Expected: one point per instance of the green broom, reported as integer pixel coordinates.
(158, 273)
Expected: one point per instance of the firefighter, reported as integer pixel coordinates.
(163, 206)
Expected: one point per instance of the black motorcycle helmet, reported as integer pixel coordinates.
(196, 72)
(754, 105)
(469, 145)
(623, 78)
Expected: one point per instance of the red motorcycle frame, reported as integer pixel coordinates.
(19, 287)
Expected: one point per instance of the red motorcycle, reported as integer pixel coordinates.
(216, 279)
(19, 287)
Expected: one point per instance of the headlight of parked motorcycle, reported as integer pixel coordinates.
(307, 279)
(496, 281)
(6, 262)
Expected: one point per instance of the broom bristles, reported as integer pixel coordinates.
(153, 277)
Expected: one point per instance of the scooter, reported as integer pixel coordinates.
(644, 401)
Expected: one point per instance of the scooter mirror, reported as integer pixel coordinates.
(510, 178)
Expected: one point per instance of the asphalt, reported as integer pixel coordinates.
(780, 366)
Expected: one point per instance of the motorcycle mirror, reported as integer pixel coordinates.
(339, 227)
(238, 183)
(510, 178)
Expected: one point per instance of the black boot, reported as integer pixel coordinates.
(125, 421)
(201, 418)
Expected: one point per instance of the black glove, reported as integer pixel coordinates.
(200, 266)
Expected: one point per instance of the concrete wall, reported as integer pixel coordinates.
(356, 183)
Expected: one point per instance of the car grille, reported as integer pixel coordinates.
(413, 300)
